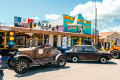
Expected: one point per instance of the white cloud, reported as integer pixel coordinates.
(117, 29)
(105, 30)
(111, 29)
(12, 25)
(52, 16)
(36, 18)
(107, 11)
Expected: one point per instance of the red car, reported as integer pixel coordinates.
(87, 52)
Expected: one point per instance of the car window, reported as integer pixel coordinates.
(78, 49)
(88, 49)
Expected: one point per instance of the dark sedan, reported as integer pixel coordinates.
(87, 52)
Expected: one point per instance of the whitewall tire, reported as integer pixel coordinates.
(103, 60)
(74, 59)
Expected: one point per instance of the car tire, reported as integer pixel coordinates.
(116, 54)
(103, 60)
(61, 61)
(10, 62)
(75, 59)
(21, 66)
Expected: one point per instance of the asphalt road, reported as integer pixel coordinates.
(83, 70)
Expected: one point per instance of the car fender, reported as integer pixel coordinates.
(59, 56)
(17, 57)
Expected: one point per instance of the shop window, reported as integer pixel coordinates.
(46, 39)
(21, 40)
(75, 40)
(87, 41)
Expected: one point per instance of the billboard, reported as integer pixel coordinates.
(76, 24)
(22, 22)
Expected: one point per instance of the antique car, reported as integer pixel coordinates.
(87, 52)
(25, 57)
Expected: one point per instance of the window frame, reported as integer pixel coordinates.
(78, 51)
(90, 51)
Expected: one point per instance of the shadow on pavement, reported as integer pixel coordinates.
(40, 69)
(95, 62)
(1, 74)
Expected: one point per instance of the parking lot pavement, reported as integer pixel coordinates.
(83, 70)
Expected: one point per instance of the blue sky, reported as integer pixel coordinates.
(39, 8)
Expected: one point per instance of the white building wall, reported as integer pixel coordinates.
(51, 40)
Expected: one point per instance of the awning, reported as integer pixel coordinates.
(27, 30)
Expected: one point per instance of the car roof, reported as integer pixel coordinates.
(83, 45)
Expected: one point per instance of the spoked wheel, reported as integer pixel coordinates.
(61, 61)
(115, 54)
(103, 60)
(74, 59)
(21, 66)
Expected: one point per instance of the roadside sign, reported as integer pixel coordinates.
(64, 42)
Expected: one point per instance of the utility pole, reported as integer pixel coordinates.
(95, 24)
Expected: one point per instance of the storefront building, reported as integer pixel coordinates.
(75, 25)
(25, 38)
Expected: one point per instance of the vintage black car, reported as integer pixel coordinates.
(20, 61)
(87, 52)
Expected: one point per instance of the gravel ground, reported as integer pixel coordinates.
(83, 70)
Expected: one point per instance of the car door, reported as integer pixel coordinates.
(78, 51)
(90, 53)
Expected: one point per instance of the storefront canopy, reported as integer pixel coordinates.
(27, 30)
